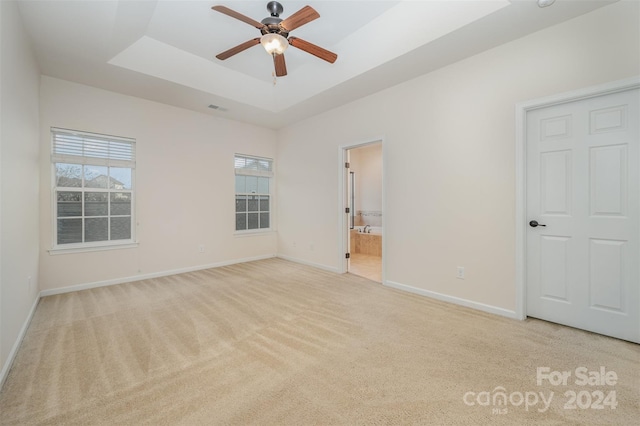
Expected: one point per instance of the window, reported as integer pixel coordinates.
(253, 192)
(93, 189)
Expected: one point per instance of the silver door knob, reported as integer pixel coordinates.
(535, 223)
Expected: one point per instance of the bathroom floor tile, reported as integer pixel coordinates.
(367, 266)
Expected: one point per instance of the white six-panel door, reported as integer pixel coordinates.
(583, 265)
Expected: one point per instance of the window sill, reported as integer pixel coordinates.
(70, 250)
(254, 232)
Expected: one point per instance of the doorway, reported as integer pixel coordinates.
(581, 212)
(363, 230)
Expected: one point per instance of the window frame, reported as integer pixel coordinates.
(98, 161)
(269, 173)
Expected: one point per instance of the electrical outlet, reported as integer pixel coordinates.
(201, 248)
(295, 244)
(460, 272)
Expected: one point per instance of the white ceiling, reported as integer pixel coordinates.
(164, 50)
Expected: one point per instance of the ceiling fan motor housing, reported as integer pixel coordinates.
(272, 23)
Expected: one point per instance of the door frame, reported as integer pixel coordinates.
(343, 221)
(521, 170)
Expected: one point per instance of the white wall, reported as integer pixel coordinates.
(19, 82)
(184, 185)
(449, 157)
(366, 163)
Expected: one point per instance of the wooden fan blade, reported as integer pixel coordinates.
(281, 67)
(239, 16)
(313, 49)
(298, 19)
(239, 48)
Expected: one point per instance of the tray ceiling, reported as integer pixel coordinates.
(165, 50)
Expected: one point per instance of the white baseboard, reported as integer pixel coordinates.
(123, 280)
(14, 350)
(304, 262)
(455, 300)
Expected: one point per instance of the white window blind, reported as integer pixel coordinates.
(253, 166)
(86, 148)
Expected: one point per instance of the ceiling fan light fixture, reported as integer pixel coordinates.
(545, 3)
(274, 43)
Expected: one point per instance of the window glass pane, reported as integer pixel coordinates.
(119, 178)
(264, 203)
(69, 231)
(69, 203)
(96, 229)
(252, 205)
(69, 175)
(263, 185)
(121, 228)
(120, 204)
(95, 177)
(252, 184)
(240, 184)
(264, 220)
(241, 203)
(241, 221)
(252, 221)
(95, 204)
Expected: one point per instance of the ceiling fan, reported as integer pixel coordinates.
(275, 35)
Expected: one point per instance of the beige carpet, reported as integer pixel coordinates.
(273, 342)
